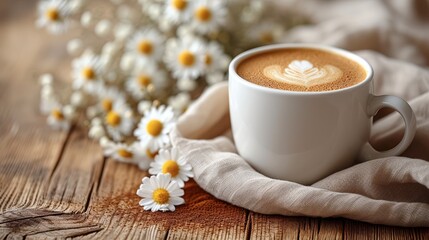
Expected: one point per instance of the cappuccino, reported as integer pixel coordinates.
(301, 69)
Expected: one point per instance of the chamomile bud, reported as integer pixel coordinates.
(75, 47)
(122, 31)
(86, 19)
(46, 79)
(91, 112)
(96, 121)
(69, 112)
(144, 106)
(186, 84)
(47, 91)
(96, 132)
(102, 28)
(104, 141)
(127, 62)
(75, 5)
(77, 99)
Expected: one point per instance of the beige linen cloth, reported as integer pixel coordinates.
(393, 190)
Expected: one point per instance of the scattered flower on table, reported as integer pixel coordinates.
(57, 118)
(87, 71)
(155, 126)
(208, 15)
(122, 152)
(214, 58)
(147, 46)
(160, 193)
(146, 81)
(185, 57)
(177, 11)
(54, 15)
(119, 121)
(170, 161)
(107, 96)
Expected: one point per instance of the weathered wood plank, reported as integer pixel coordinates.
(278, 227)
(361, 230)
(75, 176)
(29, 150)
(44, 223)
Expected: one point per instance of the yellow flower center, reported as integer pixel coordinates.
(88, 73)
(186, 58)
(124, 153)
(171, 167)
(52, 14)
(144, 80)
(150, 154)
(57, 114)
(107, 104)
(179, 4)
(267, 37)
(154, 127)
(113, 118)
(203, 14)
(145, 47)
(160, 196)
(208, 59)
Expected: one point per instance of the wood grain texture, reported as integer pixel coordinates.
(58, 185)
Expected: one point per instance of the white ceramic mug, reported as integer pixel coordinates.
(306, 136)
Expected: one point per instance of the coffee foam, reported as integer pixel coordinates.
(301, 70)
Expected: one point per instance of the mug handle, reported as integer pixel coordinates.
(375, 103)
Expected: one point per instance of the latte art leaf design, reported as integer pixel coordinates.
(303, 73)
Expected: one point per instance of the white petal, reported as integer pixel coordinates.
(180, 182)
(146, 180)
(171, 207)
(154, 182)
(144, 193)
(186, 166)
(177, 200)
(153, 171)
(155, 207)
(146, 202)
(177, 192)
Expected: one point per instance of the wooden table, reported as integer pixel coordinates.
(57, 184)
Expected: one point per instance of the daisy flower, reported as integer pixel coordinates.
(54, 15)
(146, 45)
(107, 96)
(185, 58)
(180, 102)
(126, 153)
(154, 127)
(159, 193)
(170, 162)
(87, 71)
(145, 79)
(177, 11)
(208, 15)
(149, 156)
(214, 58)
(57, 118)
(119, 121)
(266, 32)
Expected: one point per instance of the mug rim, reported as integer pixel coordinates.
(344, 53)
